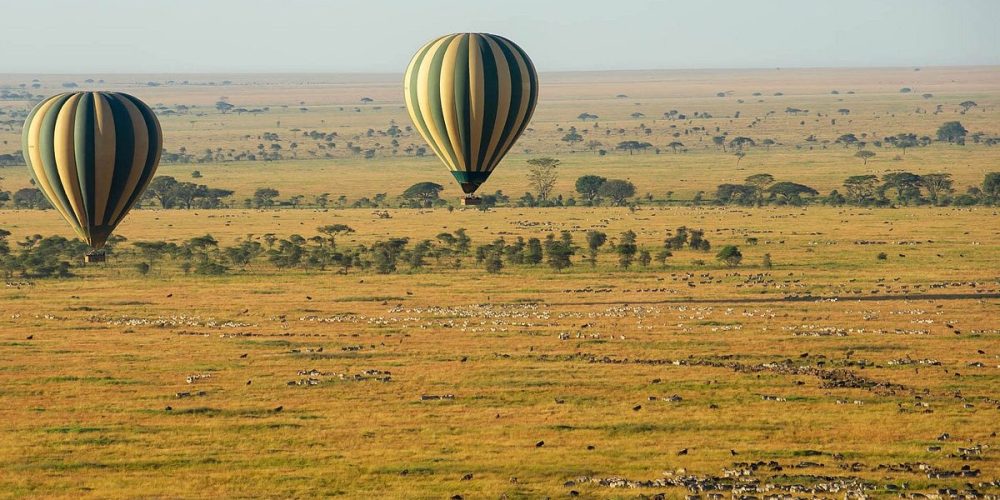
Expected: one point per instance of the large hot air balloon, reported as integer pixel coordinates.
(471, 95)
(92, 154)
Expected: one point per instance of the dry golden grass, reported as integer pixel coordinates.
(84, 400)
(877, 108)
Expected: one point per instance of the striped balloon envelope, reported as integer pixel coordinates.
(470, 95)
(92, 154)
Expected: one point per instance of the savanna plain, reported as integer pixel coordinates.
(332, 335)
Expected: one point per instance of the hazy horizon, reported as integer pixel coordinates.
(309, 36)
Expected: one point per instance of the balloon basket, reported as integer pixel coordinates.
(94, 257)
(470, 201)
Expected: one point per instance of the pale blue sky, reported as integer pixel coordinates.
(129, 36)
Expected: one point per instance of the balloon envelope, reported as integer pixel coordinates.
(470, 95)
(92, 154)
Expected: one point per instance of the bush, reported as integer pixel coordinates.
(964, 200)
(493, 263)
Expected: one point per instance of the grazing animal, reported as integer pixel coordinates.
(249, 382)
(682, 452)
(733, 452)
(29, 337)
(279, 409)
(169, 408)
(170, 295)
(636, 407)
(467, 477)
(244, 355)
(539, 444)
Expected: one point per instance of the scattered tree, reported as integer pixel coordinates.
(952, 132)
(730, 255)
(617, 190)
(865, 155)
(542, 175)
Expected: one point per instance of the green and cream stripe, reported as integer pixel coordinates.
(92, 154)
(471, 95)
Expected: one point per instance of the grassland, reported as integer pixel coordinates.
(842, 368)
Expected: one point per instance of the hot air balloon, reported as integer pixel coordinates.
(470, 95)
(92, 154)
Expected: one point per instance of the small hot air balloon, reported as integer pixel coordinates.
(471, 95)
(92, 154)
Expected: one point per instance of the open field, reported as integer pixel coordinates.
(833, 372)
(111, 351)
(332, 104)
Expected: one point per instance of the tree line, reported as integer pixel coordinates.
(894, 188)
(54, 256)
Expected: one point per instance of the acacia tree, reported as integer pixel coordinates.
(730, 255)
(572, 136)
(264, 197)
(991, 187)
(423, 192)
(163, 189)
(739, 157)
(594, 145)
(865, 155)
(740, 143)
(542, 175)
(791, 192)
(861, 188)
(626, 249)
(333, 230)
(617, 190)
(760, 183)
(952, 132)
(558, 252)
(595, 240)
(847, 139)
(906, 184)
(589, 185)
(937, 186)
(632, 146)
